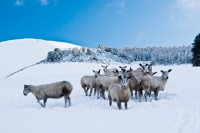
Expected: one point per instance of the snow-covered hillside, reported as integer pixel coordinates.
(176, 111)
(16, 54)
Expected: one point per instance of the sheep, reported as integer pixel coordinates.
(151, 74)
(134, 82)
(109, 71)
(118, 73)
(53, 90)
(138, 75)
(154, 83)
(119, 92)
(143, 68)
(123, 68)
(88, 82)
(102, 83)
(150, 68)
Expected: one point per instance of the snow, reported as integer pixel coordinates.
(16, 54)
(176, 111)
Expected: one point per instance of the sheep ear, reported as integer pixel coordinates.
(169, 70)
(131, 69)
(101, 66)
(162, 71)
(141, 65)
(150, 66)
(120, 77)
(120, 67)
(125, 66)
(99, 70)
(147, 72)
(154, 73)
(146, 64)
(25, 85)
(106, 66)
(93, 71)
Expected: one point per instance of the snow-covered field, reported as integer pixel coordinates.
(176, 111)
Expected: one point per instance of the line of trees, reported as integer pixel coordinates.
(106, 55)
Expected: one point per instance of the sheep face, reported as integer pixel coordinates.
(166, 73)
(96, 73)
(144, 68)
(124, 80)
(104, 68)
(123, 68)
(118, 73)
(26, 90)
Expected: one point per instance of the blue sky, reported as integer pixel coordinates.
(115, 23)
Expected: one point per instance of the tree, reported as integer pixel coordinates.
(196, 51)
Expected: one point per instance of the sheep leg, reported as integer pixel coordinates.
(66, 100)
(149, 93)
(103, 94)
(140, 93)
(91, 91)
(135, 94)
(98, 94)
(145, 95)
(119, 105)
(95, 91)
(156, 94)
(126, 105)
(110, 100)
(40, 103)
(131, 94)
(69, 100)
(85, 91)
(45, 100)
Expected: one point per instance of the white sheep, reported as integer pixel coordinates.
(109, 71)
(135, 79)
(154, 83)
(134, 82)
(53, 90)
(119, 92)
(103, 82)
(88, 82)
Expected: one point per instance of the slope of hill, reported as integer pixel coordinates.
(16, 54)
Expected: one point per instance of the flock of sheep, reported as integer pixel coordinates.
(120, 85)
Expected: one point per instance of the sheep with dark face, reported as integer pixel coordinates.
(53, 90)
(119, 92)
(154, 83)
